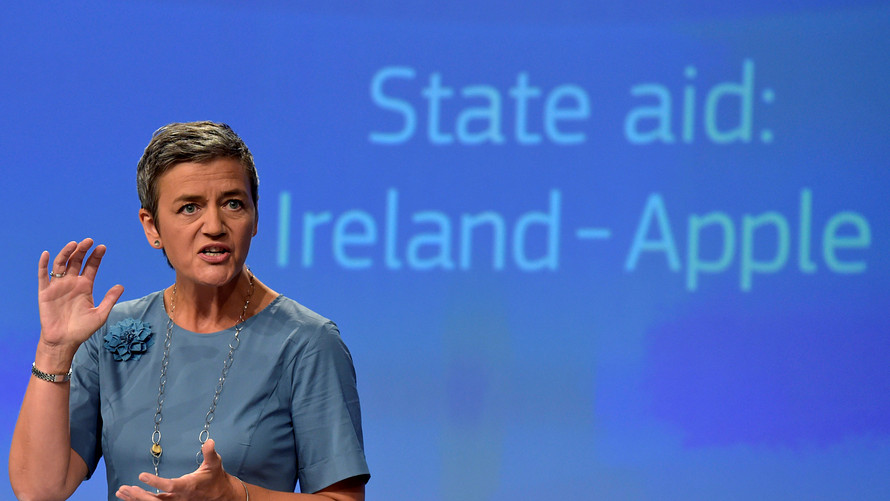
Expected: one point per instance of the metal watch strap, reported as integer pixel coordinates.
(52, 378)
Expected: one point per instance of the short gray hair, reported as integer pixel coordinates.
(199, 142)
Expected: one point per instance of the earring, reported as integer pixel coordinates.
(157, 243)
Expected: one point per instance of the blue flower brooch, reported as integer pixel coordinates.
(128, 339)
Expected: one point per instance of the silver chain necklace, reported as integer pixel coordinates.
(204, 434)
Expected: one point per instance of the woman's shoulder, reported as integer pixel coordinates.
(306, 336)
(303, 324)
(284, 306)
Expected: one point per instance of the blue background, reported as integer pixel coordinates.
(585, 379)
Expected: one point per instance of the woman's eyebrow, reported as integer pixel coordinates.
(236, 192)
(188, 198)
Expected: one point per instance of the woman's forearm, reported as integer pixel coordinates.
(42, 465)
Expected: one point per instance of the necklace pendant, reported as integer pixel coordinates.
(156, 450)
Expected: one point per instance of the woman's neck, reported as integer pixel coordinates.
(209, 309)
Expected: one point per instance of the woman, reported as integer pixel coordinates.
(216, 367)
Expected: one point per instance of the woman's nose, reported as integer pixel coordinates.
(213, 222)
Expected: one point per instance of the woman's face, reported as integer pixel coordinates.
(206, 219)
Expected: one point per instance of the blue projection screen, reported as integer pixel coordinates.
(577, 251)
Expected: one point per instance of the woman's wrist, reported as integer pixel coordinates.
(54, 359)
(239, 488)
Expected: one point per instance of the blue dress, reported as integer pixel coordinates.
(288, 412)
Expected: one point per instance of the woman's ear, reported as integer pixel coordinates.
(149, 225)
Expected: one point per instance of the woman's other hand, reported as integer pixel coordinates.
(209, 482)
(67, 313)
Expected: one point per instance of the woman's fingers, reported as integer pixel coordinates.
(211, 458)
(76, 259)
(108, 301)
(60, 263)
(42, 271)
(92, 266)
(160, 483)
(133, 493)
(69, 260)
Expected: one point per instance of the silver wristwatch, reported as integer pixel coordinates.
(52, 378)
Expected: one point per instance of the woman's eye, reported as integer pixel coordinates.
(188, 209)
(234, 204)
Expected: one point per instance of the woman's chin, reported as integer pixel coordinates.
(215, 276)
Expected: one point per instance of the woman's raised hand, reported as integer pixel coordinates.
(65, 296)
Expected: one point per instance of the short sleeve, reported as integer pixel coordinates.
(84, 414)
(326, 413)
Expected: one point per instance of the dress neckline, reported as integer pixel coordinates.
(159, 298)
